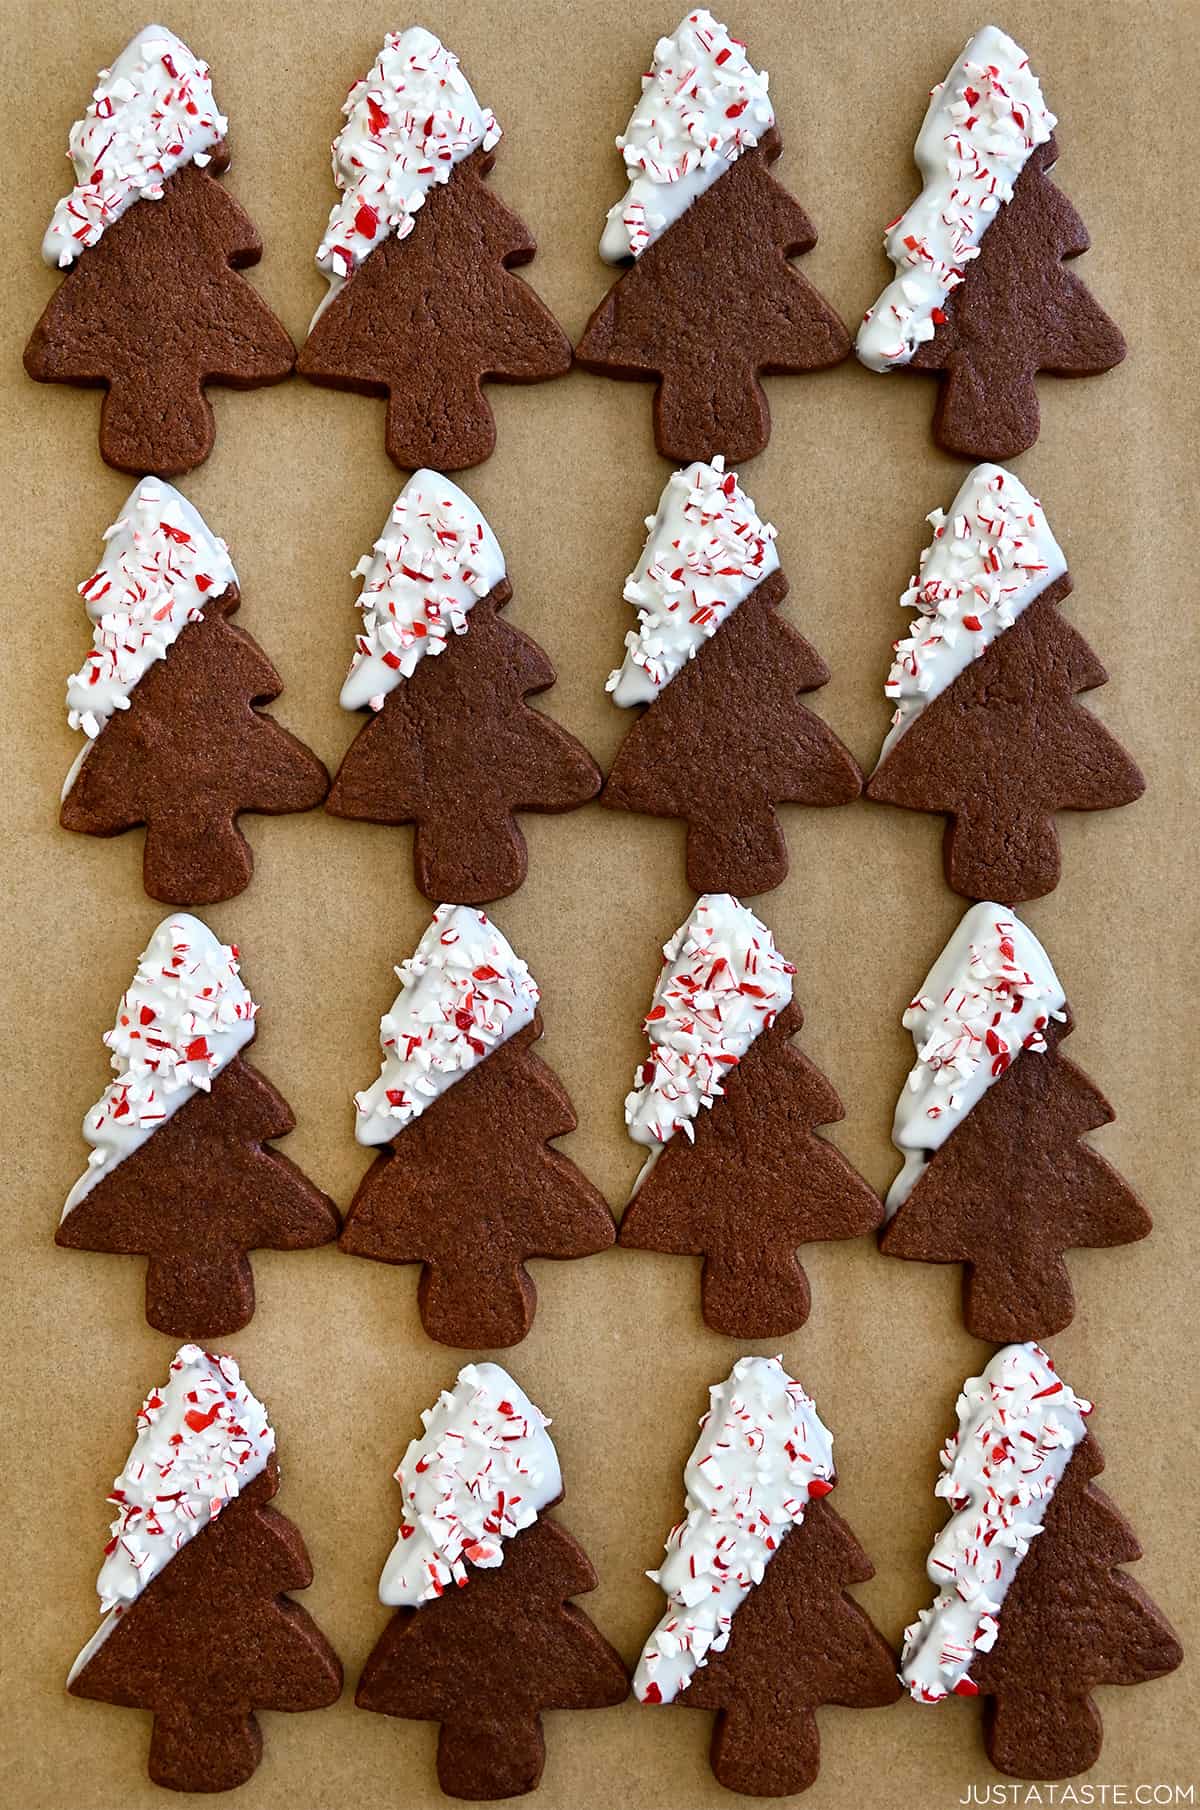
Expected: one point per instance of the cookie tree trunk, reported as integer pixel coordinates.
(1069, 1622)
(485, 1660)
(423, 320)
(484, 1760)
(1011, 1189)
(470, 1189)
(710, 305)
(191, 753)
(196, 321)
(1020, 311)
(456, 750)
(212, 1638)
(799, 1628)
(755, 1184)
(728, 739)
(1003, 748)
(201, 1191)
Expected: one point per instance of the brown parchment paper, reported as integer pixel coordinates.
(299, 485)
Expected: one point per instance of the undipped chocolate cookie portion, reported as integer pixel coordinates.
(1069, 1621)
(713, 303)
(728, 739)
(211, 1639)
(1011, 1189)
(456, 750)
(424, 320)
(1019, 311)
(189, 755)
(753, 1185)
(1003, 748)
(485, 1660)
(154, 311)
(797, 1641)
(471, 1190)
(200, 1192)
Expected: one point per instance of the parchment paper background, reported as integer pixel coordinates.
(299, 485)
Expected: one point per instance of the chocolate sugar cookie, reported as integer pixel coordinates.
(168, 700)
(749, 1181)
(180, 1170)
(986, 726)
(462, 1114)
(423, 305)
(484, 1637)
(152, 308)
(196, 1626)
(982, 296)
(723, 736)
(759, 1626)
(450, 744)
(991, 1123)
(1032, 1611)
(711, 300)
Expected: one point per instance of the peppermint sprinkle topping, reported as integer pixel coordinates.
(161, 566)
(722, 982)
(408, 122)
(484, 1468)
(435, 558)
(185, 1016)
(1018, 1425)
(200, 1440)
(463, 992)
(984, 122)
(762, 1455)
(988, 560)
(703, 103)
(706, 550)
(151, 113)
(988, 997)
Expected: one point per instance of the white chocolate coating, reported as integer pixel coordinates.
(463, 992)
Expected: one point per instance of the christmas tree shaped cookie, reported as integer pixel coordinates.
(986, 726)
(717, 675)
(484, 1637)
(982, 295)
(749, 1180)
(196, 1625)
(710, 300)
(463, 1112)
(167, 699)
(450, 744)
(1032, 1611)
(997, 1175)
(152, 308)
(419, 253)
(759, 1625)
(179, 1170)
